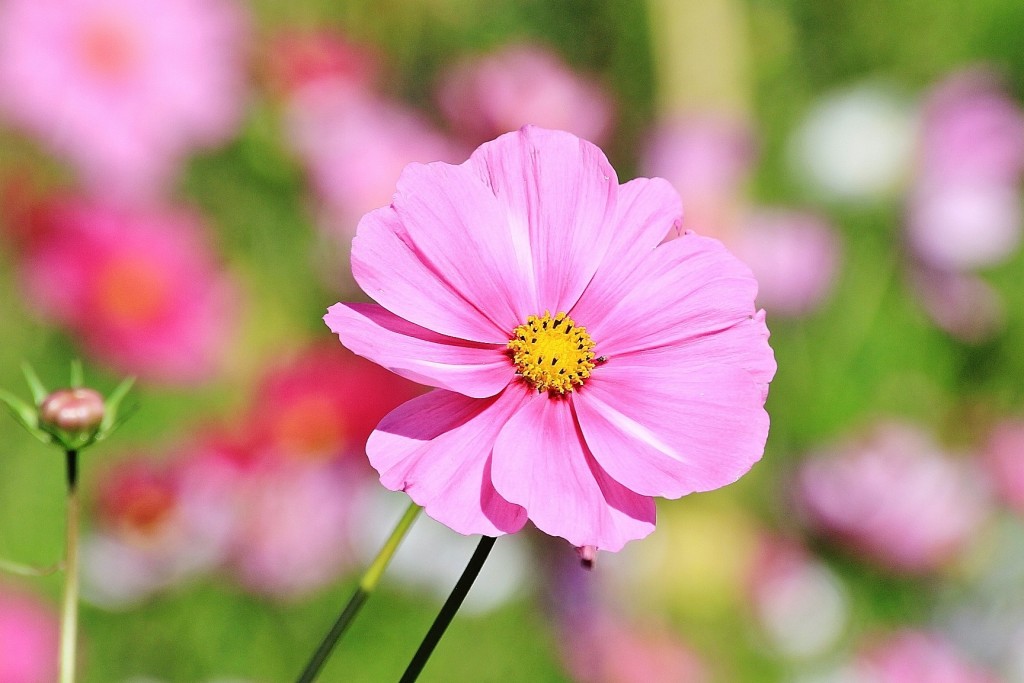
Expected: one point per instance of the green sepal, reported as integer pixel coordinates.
(77, 374)
(112, 406)
(35, 385)
(26, 415)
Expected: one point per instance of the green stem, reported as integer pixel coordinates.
(447, 613)
(28, 569)
(69, 611)
(367, 584)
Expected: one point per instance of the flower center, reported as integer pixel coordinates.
(108, 47)
(132, 293)
(310, 429)
(552, 353)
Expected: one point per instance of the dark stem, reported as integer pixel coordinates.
(447, 613)
(71, 458)
(346, 618)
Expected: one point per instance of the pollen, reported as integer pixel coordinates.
(553, 354)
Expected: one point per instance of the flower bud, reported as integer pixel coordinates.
(73, 411)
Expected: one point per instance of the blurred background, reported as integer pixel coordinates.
(179, 183)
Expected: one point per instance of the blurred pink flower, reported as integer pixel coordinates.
(1004, 460)
(28, 639)
(354, 146)
(962, 304)
(154, 530)
(794, 256)
(609, 650)
(293, 526)
(894, 497)
(965, 211)
(138, 287)
(123, 88)
(796, 600)
(278, 520)
(915, 657)
(316, 59)
(707, 160)
(972, 131)
(964, 225)
(323, 404)
(519, 85)
(661, 394)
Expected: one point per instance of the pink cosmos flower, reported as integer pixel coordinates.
(28, 639)
(916, 656)
(138, 287)
(917, 526)
(519, 85)
(123, 88)
(580, 368)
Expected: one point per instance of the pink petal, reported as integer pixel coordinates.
(389, 269)
(744, 345)
(542, 463)
(454, 223)
(437, 448)
(558, 194)
(669, 429)
(684, 289)
(648, 210)
(469, 368)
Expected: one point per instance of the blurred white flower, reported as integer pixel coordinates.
(856, 144)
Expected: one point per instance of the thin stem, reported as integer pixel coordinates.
(447, 613)
(69, 611)
(28, 569)
(367, 584)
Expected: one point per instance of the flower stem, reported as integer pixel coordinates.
(28, 569)
(69, 611)
(447, 613)
(367, 584)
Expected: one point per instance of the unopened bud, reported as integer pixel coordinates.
(73, 411)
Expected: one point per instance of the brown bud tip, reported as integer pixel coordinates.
(588, 556)
(72, 410)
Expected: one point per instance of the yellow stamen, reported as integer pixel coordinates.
(552, 353)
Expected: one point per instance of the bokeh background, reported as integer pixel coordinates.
(180, 180)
